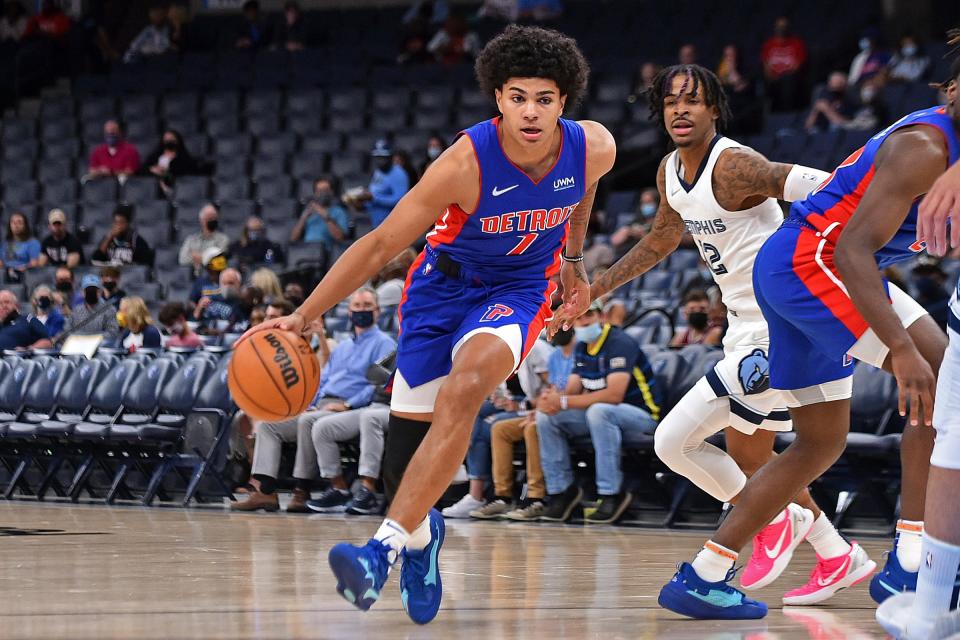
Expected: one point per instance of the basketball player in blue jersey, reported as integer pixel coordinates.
(513, 196)
(728, 202)
(820, 288)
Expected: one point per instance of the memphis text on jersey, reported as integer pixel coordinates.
(530, 220)
(705, 227)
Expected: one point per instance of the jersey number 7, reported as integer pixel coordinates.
(524, 244)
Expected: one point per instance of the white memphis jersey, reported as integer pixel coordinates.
(953, 320)
(728, 240)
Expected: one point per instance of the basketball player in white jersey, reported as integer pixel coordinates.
(726, 195)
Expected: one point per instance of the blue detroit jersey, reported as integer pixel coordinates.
(519, 226)
(829, 208)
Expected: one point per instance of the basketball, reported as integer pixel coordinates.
(273, 375)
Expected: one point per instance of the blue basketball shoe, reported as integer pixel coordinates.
(893, 579)
(689, 595)
(420, 586)
(360, 571)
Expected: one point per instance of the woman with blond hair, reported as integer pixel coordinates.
(268, 282)
(136, 325)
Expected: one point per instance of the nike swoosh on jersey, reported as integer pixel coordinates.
(833, 576)
(773, 553)
(500, 192)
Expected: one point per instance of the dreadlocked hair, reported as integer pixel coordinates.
(953, 40)
(533, 52)
(701, 81)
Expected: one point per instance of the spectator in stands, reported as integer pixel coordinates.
(402, 159)
(268, 283)
(115, 157)
(872, 59)
(13, 24)
(49, 23)
(909, 63)
(747, 110)
(504, 432)
(643, 82)
(389, 282)
(137, 329)
(561, 361)
(832, 108)
(21, 251)
(388, 185)
(173, 317)
(196, 245)
(932, 291)
(178, 16)
(255, 32)
(292, 34)
(277, 308)
(687, 54)
(455, 42)
(597, 254)
(110, 277)
(435, 146)
(784, 56)
(208, 283)
(122, 244)
(294, 293)
(626, 236)
(343, 387)
(872, 113)
(696, 305)
(368, 424)
(323, 220)
(414, 50)
(539, 10)
(63, 283)
(254, 247)
(19, 332)
(154, 39)
(171, 159)
(610, 396)
(46, 310)
(251, 298)
(221, 312)
(94, 314)
(60, 247)
(258, 315)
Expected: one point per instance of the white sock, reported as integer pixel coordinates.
(714, 562)
(826, 540)
(420, 537)
(779, 518)
(908, 548)
(393, 535)
(938, 572)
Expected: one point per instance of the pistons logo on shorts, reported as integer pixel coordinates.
(495, 312)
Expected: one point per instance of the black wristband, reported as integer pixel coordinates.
(567, 258)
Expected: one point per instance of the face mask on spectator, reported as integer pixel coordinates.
(698, 320)
(588, 333)
(253, 236)
(177, 328)
(110, 285)
(384, 164)
(44, 303)
(112, 139)
(212, 225)
(563, 338)
(295, 300)
(361, 319)
(909, 50)
(230, 293)
(324, 198)
(64, 286)
(91, 296)
(434, 152)
(169, 145)
(647, 209)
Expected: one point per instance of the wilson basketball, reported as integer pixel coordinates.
(273, 375)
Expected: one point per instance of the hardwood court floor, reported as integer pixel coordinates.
(129, 572)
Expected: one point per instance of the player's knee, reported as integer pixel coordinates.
(465, 389)
(668, 447)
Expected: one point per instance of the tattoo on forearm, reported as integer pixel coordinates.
(579, 220)
(741, 174)
(663, 238)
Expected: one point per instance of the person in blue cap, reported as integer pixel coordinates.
(388, 184)
(105, 322)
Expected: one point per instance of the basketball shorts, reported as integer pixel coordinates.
(946, 410)
(815, 329)
(440, 312)
(743, 378)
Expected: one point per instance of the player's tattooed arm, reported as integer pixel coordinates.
(663, 239)
(742, 178)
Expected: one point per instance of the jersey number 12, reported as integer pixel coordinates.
(712, 255)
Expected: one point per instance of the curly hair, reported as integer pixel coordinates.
(698, 77)
(533, 52)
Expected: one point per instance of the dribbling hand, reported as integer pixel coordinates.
(293, 322)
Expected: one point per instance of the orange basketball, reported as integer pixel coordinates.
(273, 375)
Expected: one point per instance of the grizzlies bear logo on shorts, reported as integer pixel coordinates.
(754, 372)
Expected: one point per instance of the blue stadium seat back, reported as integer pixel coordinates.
(427, 119)
(139, 189)
(181, 390)
(474, 98)
(28, 148)
(667, 367)
(348, 100)
(263, 124)
(217, 104)
(62, 189)
(608, 114)
(191, 188)
(43, 391)
(391, 99)
(143, 392)
(362, 141)
(613, 89)
(346, 162)
(651, 351)
(270, 168)
(56, 170)
(346, 122)
(63, 106)
(20, 192)
(390, 120)
(33, 278)
(214, 393)
(15, 170)
(223, 127)
(108, 394)
(180, 105)
(329, 142)
(176, 357)
(260, 102)
(134, 274)
(874, 400)
(305, 101)
(280, 211)
(439, 97)
(237, 211)
(684, 259)
(97, 108)
(15, 382)
(236, 188)
(308, 165)
(228, 166)
(305, 124)
(233, 146)
(17, 130)
(229, 338)
(659, 281)
(643, 335)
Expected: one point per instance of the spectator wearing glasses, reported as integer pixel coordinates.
(60, 248)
